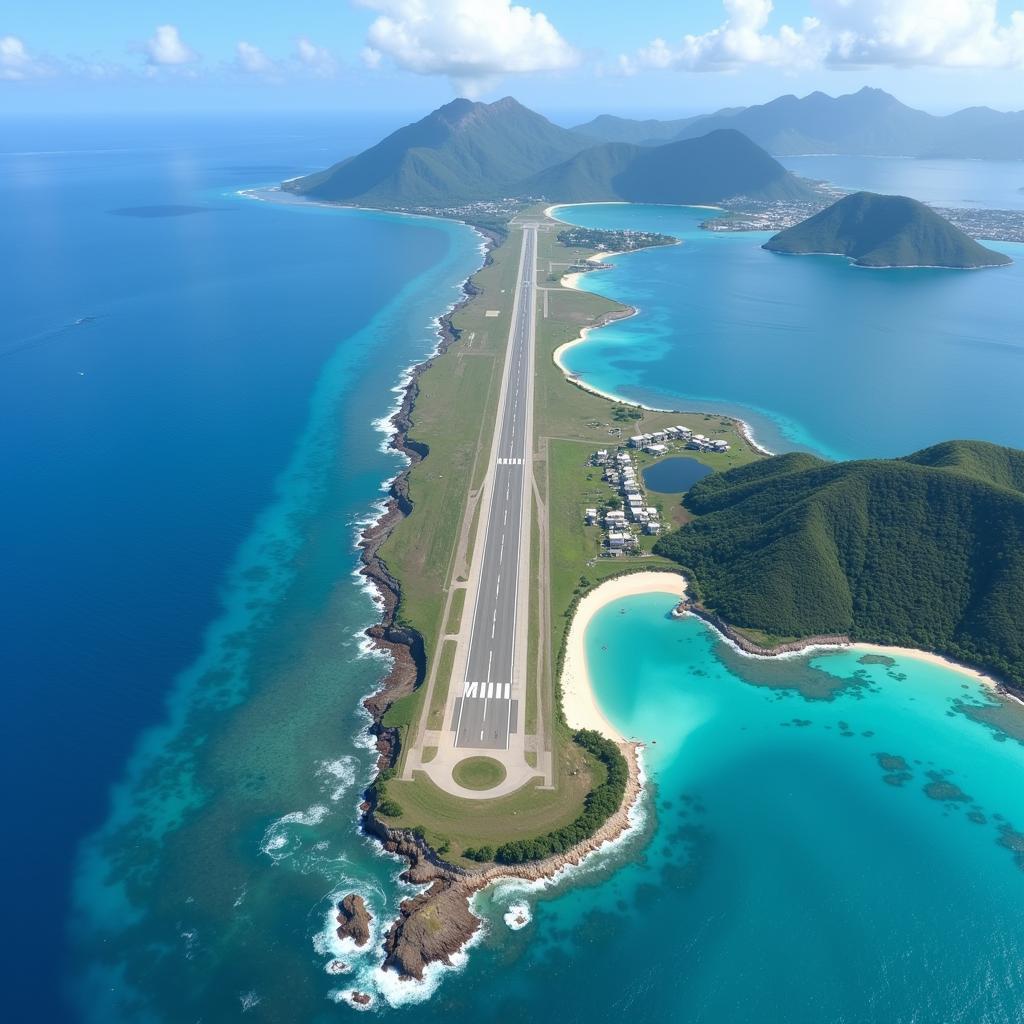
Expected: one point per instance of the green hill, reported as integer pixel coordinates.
(885, 231)
(462, 151)
(717, 166)
(925, 551)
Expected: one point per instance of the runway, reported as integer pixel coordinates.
(488, 710)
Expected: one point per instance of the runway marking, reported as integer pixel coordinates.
(508, 691)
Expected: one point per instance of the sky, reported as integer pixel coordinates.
(563, 57)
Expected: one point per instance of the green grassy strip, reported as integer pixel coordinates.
(442, 682)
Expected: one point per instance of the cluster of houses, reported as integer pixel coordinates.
(654, 443)
(620, 472)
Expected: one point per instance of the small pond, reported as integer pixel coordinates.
(670, 476)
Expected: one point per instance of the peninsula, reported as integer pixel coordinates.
(524, 495)
(885, 231)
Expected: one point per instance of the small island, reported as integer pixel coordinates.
(885, 231)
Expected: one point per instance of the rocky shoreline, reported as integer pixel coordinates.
(748, 646)
(435, 925)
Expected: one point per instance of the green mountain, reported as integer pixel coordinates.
(650, 132)
(716, 166)
(460, 152)
(870, 123)
(924, 551)
(885, 231)
(465, 152)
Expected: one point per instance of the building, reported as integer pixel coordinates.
(655, 449)
(591, 516)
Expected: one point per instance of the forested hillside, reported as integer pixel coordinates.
(925, 551)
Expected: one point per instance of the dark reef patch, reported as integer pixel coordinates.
(897, 771)
(940, 788)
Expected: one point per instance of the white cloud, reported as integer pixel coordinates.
(316, 59)
(472, 42)
(942, 33)
(166, 48)
(17, 64)
(252, 60)
(897, 33)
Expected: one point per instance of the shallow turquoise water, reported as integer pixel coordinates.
(787, 880)
(816, 354)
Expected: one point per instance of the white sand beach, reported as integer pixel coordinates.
(578, 702)
(931, 659)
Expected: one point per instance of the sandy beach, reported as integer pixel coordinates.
(931, 659)
(578, 702)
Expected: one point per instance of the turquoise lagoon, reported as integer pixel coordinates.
(835, 840)
(814, 353)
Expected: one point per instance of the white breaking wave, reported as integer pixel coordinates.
(338, 775)
(518, 915)
(280, 840)
(344, 995)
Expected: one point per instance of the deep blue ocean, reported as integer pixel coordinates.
(189, 382)
(191, 392)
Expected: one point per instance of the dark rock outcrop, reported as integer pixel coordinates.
(354, 919)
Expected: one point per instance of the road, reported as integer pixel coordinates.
(488, 711)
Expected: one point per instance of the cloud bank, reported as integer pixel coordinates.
(848, 33)
(17, 64)
(474, 43)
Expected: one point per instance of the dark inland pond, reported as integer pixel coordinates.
(671, 476)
